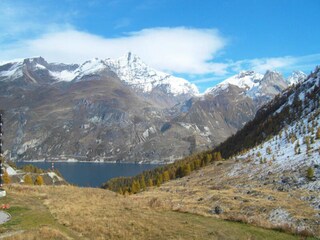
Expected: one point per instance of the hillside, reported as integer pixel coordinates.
(67, 212)
(271, 175)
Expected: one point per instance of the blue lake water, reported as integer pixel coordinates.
(86, 174)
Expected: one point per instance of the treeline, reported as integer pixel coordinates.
(159, 175)
(33, 169)
(269, 121)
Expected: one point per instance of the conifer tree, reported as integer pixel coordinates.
(150, 183)
(27, 180)
(39, 180)
(318, 134)
(158, 182)
(186, 170)
(6, 178)
(197, 163)
(217, 156)
(310, 173)
(209, 157)
(135, 187)
(143, 183)
(166, 176)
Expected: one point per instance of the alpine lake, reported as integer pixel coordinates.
(92, 174)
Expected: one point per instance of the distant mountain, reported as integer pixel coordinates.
(253, 85)
(149, 81)
(162, 88)
(290, 111)
(121, 110)
(296, 77)
(227, 107)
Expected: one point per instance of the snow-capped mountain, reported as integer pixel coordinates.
(254, 85)
(33, 71)
(285, 133)
(129, 68)
(132, 70)
(125, 110)
(296, 77)
(245, 80)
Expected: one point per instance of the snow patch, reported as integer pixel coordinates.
(64, 75)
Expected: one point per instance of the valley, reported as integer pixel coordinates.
(153, 120)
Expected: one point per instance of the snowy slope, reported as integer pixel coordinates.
(93, 66)
(249, 81)
(296, 77)
(11, 70)
(132, 70)
(245, 79)
(256, 85)
(296, 148)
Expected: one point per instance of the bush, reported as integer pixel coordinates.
(310, 173)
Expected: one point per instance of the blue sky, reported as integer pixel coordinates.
(203, 41)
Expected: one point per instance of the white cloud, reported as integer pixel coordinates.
(264, 64)
(284, 64)
(179, 50)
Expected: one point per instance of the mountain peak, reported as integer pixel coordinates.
(134, 72)
(253, 84)
(244, 79)
(272, 73)
(131, 57)
(246, 73)
(296, 77)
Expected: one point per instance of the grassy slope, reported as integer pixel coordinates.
(67, 212)
(241, 200)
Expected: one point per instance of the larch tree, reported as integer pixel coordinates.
(28, 179)
(39, 180)
(6, 178)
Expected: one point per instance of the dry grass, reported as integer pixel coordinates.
(67, 212)
(46, 233)
(180, 209)
(241, 200)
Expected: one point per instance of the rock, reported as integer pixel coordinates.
(271, 198)
(285, 180)
(280, 216)
(217, 210)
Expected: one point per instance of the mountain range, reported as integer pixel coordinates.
(123, 110)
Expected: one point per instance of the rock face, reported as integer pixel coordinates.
(120, 110)
(225, 108)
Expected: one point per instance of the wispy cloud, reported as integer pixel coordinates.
(179, 50)
(22, 20)
(283, 64)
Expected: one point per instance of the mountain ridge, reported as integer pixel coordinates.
(130, 69)
(100, 117)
